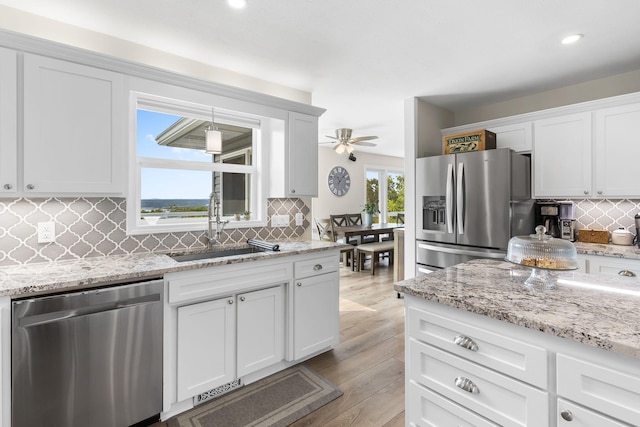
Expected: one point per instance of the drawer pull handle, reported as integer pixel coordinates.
(467, 385)
(626, 273)
(8, 186)
(466, 342)
(317, 267)
(566, 415)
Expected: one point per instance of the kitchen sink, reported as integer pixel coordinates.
(215, 253)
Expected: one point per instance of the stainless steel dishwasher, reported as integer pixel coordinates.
(91, 358)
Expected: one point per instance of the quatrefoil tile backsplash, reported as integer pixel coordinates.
(88, 227)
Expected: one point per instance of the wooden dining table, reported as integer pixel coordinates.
(366, 230)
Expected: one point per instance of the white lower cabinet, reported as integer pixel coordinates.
(572, 415)
(245, 321)
(206, 346)
(315, 306)
(595, 264)
(260, 329)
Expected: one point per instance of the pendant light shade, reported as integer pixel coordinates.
(213, 137)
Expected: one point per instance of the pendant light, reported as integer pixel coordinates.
(213, 137)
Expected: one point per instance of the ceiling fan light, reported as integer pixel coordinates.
(340, 148)
(349, 149)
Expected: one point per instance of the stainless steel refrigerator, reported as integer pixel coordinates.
(469, 206)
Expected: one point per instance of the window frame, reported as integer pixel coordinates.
(182, 107)
(383, 196)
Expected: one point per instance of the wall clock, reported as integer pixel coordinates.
(339, 181)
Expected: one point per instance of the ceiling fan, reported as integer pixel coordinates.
(346, 143)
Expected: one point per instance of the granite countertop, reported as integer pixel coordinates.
(597, 310)
(33, 279)
(617, 251)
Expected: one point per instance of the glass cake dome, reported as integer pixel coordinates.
(542, 253)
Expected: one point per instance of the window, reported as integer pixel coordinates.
(174, 177)
(389, 197)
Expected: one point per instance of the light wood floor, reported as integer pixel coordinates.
(368, 364)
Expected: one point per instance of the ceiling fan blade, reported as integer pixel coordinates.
(327, 142)
(363, 138)
(364, 144)
(332, 137)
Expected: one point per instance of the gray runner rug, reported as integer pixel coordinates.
(276, 401)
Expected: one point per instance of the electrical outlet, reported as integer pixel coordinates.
(299, 219)
(46, 232)
(279, 220)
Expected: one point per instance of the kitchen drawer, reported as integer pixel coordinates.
(609, 265)
(428, 409)
(515, 358)
(603, 389)
(225, 280)
(501, 399)
(316, 266)
(572, 415)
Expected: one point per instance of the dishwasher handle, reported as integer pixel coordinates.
(57, 316)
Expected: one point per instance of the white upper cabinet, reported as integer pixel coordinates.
(302, 156)
(617, 144)
(74, 129)
(562, 156)
(517, 136)
(8, 122)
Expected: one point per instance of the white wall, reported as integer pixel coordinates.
(32, 25)
(326, 203)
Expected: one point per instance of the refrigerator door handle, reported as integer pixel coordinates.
(456, 251)
(449, 198)
(460, 208)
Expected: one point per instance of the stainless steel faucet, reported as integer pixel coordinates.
(214, 210)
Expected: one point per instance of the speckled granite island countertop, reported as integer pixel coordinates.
(24, 280)
(597, 310)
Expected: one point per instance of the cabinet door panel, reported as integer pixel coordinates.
(606, 390)
(429, 409)
(316, 314)
(206, 346)
(617, 131)
(8, 122)
(260, 320)
(499, 398)
(302, 164)
(518, 137)
(572, 415)
(73, 128)
(562, 156)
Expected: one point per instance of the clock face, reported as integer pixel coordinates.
(339, 181)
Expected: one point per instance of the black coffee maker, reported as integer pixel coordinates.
(548, 214)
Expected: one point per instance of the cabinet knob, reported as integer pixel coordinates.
(599, 191)
(8, 186)
(465, 342)
(230, 301)
(293, 191)
(242, 298)
(586, 191)
(566, 415)
(30, 186)
(627, 273)
(467, 385)
(317, 267)
(299, 283)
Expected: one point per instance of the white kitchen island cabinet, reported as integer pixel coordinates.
(74, 129)
(8, 122)
(615, 266)
(483, 349)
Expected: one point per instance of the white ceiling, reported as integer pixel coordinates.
(361, 58)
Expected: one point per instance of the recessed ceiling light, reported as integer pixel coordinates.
(237, 4)
(572, 38)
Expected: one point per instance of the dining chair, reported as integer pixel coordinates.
(348, 254)
(356, 219)
(324, 229)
